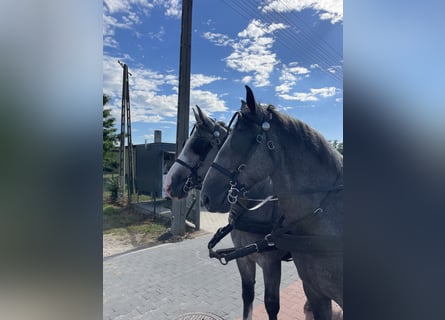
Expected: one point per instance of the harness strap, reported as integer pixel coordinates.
(223, 170)
(301, 224)
(226, 255)
(246, 225)
(312, 244)
(240, 222)
(192, 169)
(219, 235)
(297, 242)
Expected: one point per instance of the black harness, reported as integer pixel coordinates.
(240, 222)
(293, 237)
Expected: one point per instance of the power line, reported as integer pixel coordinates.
(308, 48)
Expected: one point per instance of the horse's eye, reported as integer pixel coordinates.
(201, 146)
(237, 143)
(242, 138)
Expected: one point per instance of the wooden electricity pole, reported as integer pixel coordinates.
(179, 206)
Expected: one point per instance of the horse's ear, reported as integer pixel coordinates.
(196, 113)
(204, 118)
(250, 100)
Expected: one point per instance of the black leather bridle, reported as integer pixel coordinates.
(237, 188)
(193, 179)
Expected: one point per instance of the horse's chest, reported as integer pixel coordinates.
(320, 272)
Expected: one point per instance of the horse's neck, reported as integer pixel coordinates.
(294, 177)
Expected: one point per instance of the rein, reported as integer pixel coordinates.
(262, 245)
(290, 238)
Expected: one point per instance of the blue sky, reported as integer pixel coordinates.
(288, 51)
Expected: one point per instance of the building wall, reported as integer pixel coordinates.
(152, 163)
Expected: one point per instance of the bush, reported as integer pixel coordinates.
(111, 210)
(113, 187)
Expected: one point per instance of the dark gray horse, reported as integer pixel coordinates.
(192, 164)
(307, 176)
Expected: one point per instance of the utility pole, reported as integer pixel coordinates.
(179, 206)
(125, 111)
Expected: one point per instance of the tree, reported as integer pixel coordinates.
(340, 147)
(337, 145)
(110, 164)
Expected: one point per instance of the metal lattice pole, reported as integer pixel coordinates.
(122, 139)
(130, 143)
(125, 111)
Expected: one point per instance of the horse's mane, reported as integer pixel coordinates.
(297, 130)
(222, 124)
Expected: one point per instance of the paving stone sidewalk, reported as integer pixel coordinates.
(167, 281)
(163, 282)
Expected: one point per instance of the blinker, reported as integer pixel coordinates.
(216, 134)
(265, 126)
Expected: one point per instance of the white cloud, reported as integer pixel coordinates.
(251, 50)
(289, 76)
(173, 8)
(324, 92)
(158, 35)
(328, 9)
(147, 104)
(315, 65)
(114, 6)
(246, 79)
(110, 42)
(300, 96)
(208, 101)
(198, 80)
(312, 95)
(130, 12)
(218, 39)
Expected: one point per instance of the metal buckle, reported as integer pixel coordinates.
(232, 195)
(188, 184)
(223, 261)
(269, 241)
(253, 245)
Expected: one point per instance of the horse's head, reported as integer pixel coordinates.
(245, 158)
(196, 156)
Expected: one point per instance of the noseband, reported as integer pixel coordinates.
(193, 179)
